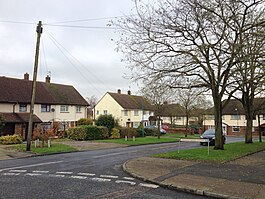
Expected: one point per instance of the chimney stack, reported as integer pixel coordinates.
(119, 91)
(48, 79)
(26, 76)
(129, 92)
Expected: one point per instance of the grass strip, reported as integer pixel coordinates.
(140, 141)
(55, 148)
(232, 151)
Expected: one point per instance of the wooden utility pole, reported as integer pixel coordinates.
(39, 31)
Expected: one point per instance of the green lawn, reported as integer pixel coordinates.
(140, 140)
(231, 152)
(180, 135)
(55, 148)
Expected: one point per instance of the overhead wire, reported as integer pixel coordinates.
(60, 47)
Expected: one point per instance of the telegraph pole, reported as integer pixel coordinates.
(39, 31)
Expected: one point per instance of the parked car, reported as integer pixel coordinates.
(209, 134)
(162, 131)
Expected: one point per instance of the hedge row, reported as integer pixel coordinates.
(88, 132)
(11, 139)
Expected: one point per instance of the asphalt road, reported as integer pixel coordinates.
(90, 174)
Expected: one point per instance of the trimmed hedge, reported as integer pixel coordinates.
(87, 132)
(115, 133)
(129, 132)
(150, 132)
(77, 133)
(11, 139)
(104, 132)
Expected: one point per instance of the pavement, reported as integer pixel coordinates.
(241, 178)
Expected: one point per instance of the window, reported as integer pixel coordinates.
(22, 107)
(64, 109)
(263, 117)
(45, 108)
(235, 117)
(136, 113)
(78, 109)
(126, 113)
(178, 118)
(105, 112)
(235, 129)
(209, 117)
(97, 112)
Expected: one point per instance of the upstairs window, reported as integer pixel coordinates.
(97, 112)
(64, 109)
(22, 107)
(235, 117)
(45, 108)
(78, 109)
(126, 113)
(136, 113)
(105, 112)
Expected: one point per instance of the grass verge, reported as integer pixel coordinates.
(232, 151)
(55, 148)
(140, 141)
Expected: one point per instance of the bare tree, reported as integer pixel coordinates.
(92, 101)
(199, 39)
(190, 100)
(157, 93)
(249, 78)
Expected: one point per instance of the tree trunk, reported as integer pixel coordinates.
(158, 127)
(186, 125)
(248, 134)
(219, 142)
(260, 139)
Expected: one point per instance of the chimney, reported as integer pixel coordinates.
(119, 91)
(26, 76)
(48, 79)
(129, 92)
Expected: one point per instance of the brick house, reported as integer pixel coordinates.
(54, 104)
(234, 122)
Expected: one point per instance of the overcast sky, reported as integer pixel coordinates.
(82, 57)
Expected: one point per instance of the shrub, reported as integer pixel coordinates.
(104, 131)
(115, 133)
(151, 132)
(129, 132)
(84, 121)
(107, 121)
(92, 132)
(11, 139)
(77, 133)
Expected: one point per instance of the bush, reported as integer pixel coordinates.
(129, 132)
(115, 133)
(77, 133)
(84, 121)
(151, 132)
(104, 131)
(107, 121)
(11, 139)
(92, 132)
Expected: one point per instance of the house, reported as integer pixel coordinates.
(175, 114)
(55, 104)
(129, 110)
(234, 120)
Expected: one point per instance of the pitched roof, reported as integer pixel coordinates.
(131, 101)
(234, 107)
(19, 91)
(19, 117)
(170, 110)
